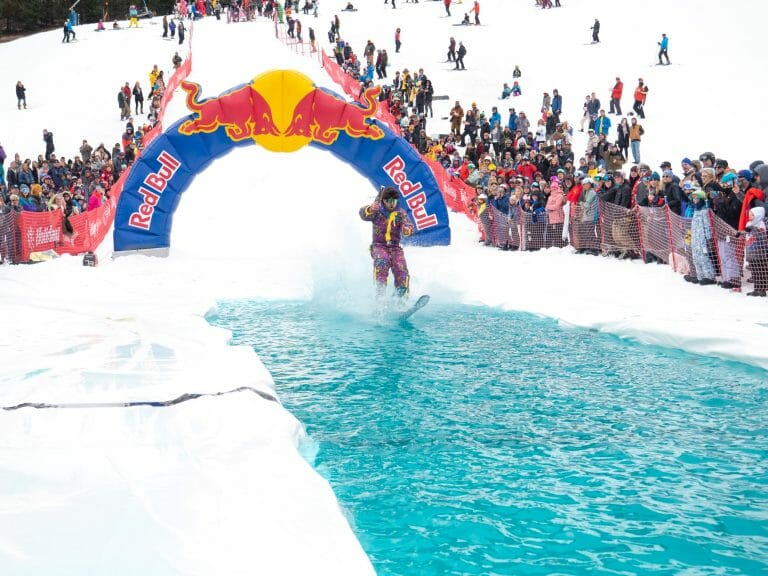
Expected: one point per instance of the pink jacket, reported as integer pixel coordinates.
(555, 205)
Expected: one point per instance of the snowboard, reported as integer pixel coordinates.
(415, 307)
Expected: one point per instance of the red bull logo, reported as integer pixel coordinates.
(321, 116)
(281, 110)
(244, 113)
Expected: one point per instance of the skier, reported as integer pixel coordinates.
(181, 29)
(21, 95)
(390, 223)
(595, 31)
(460, 56)
(663, 45)
(165, 26)
(65, 30)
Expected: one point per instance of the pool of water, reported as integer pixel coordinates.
(475, 441)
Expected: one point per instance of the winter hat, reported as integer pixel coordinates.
(755, 164)
(482, 196)
(686, 161)
(758, 217)
(666, 165)
(729, 178)
(747, 175)
(24, 188)
(655, 176)
(699, 193)
(668, 173)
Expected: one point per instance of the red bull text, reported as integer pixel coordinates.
(151, 190)
(415, 198)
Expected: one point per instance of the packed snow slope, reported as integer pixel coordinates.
(217, 485)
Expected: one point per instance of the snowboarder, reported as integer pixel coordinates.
(595, 31)
(390, 223)
(663, 46)
(21, 95)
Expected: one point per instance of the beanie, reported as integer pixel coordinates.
(746, 174)
(686, 161)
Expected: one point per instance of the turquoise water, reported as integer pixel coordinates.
(474, 441)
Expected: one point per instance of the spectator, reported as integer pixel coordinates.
(701, 239)
(460, 56)
(21, 95)
(49, 147)
(640, 95)
(636, 131)
(616, 93)
(757, 251)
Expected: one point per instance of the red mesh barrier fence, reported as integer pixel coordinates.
(656, 232)
(533, 230)
(500, 228)
(9, 238)
(619, 230)
(584, 227)
(681, 253)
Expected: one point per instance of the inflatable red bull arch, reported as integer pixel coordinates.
(281, 110)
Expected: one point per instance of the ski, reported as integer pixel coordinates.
(418, 305)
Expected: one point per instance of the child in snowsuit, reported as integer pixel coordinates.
(390, 223)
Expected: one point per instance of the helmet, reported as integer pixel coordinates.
(707, 156)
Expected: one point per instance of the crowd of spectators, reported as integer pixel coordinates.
(82, 181)
(528, 165)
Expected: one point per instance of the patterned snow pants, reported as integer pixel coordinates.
(386, 258)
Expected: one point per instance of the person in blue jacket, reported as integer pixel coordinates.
(663, 46)
(557, 102)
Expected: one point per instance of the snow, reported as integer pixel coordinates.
(217, 485)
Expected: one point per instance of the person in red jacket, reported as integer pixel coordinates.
(640, 94)
(447, 7)
(476, 10)
(616, 92)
